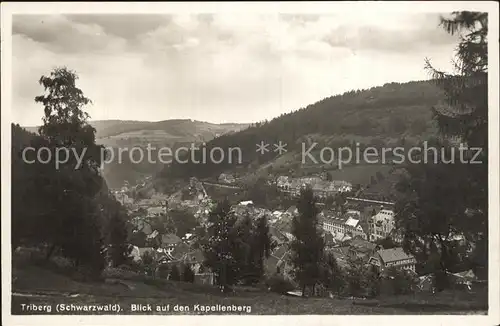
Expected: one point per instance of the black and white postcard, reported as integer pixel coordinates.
(295, 162)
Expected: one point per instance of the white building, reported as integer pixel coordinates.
(344, 225)
(393, 258)
(381, 224)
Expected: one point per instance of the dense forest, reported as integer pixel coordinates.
(391, 112)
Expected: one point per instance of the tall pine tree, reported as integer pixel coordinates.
(220, 245)
(443, 200)
(465, 117)
(307, 246)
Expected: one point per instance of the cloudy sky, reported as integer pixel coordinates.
(219, 68)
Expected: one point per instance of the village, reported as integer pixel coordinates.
(354, 229)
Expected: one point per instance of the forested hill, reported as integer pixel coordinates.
(379, 115)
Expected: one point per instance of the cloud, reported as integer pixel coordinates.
(219, 67)
(126, 26)
(59, 34)
(387, 40)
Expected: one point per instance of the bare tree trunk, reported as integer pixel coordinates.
(303, 291)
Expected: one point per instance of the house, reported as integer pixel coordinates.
(123, 198)
(465, 279)
(283, 183)
(321, 188)
(393, 258)
(153, 235)
(204, 278)
(345, 225)
(180, 250)
(137, 253)
(170, 241)
(246, 203)
(277, 237)
(340, 237)
(226, 178)
(142, 226)
(156, 210)
(381, 225)
(360, 248)
(292, 210)
(278, 261)
(341, 255)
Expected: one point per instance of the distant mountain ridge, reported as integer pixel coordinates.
(385, 116)
(166, 133)
(181, 127)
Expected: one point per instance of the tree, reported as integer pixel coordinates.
(372, 281)
(465, 114)
(261, 245)
(431, 211)
(116, 231)
(187, 274)
(183, 221)
(402, 282)
(386, 243)
(443, 200)
(68, 218)
(148, 261)
(329, 201)
(174, 274)
(169, 225)
(340, 202)
(243, 235)
(333, 277)
(219, 246)
(307, 246)
(355, 277)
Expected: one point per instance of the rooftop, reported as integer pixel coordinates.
(352, 222)
(393, 254)
(170, 238)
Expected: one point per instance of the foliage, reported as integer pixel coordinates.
(278, 284)
(183, 220)
(163, 271)
(148, 261)
(332, 275)
(220, 245)
(187, 274)
(116, 231)
(369, 114)
(402, 282)
(65, 207)
(386, 243)
(442, 200)
(355, 278)
(307, 246)
(372, 281)
(174, 274)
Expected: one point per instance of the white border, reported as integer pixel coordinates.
(8, 9)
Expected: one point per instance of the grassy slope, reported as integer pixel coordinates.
(54, 287)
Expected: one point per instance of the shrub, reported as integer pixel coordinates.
(174, 274)
(163, 271)
(279, 284)
(187, 274)
(119, 273)
(401, 282)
